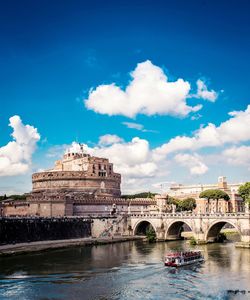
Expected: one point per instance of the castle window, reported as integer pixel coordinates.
(102, 173)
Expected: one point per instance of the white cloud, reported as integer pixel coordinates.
(136, 151)
(238, 155)
(137, 126)
(109, 139)
(130, 158)
(132, 125)
(193, 162)
(15, 157)
(149, 92)
(142, 167)
(236, 129)
(146, 169)
(78, 148)
(204, 93)
(232, 131)
(196, 117)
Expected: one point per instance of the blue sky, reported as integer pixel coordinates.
(53, 53)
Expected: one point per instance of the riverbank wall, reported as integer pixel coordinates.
(32, 229)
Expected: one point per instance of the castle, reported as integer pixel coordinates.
(79, 172)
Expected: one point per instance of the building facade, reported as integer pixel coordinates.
(235, 204)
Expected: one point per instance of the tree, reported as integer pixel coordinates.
(188, 204)
(151, 236)
(13, 197)
(139, 195)
(182, 204)
(3, 197)
(214, 195)
(244, 192)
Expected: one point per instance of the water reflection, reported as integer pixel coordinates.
(131, 270)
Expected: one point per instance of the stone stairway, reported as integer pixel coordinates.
(109, 231)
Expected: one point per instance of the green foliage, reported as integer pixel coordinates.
(4, 197)
(139, 195)
(183, 205)
(193, 241)
(13, 197)
(214, 195)
(188, 204)
(150, 234)
(172, 200)
(244, 192)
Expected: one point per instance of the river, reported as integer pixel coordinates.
(130, 270)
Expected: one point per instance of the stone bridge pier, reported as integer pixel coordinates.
(205, 227)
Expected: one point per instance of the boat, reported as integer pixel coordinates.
(179, 259)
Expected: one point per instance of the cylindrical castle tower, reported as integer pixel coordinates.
(79, 172)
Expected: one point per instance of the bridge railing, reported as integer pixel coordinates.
(189, 215)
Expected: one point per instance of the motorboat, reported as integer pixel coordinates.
(183, 258)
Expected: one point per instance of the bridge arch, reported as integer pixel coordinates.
(142, 226)
(175, 229)
(215, 228)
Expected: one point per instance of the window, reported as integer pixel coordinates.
(102, 173)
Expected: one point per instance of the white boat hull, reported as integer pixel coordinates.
(185, 263)
(183, 259)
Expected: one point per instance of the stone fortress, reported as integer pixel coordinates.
(79, 172)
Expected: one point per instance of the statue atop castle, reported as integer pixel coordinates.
(75, 158)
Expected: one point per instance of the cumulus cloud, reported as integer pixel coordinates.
(78, 148)
(234, 131)
(143, 167)
(109, 139)
(130, 158)
(149, 93)
(15, 157)
(193, 162)
(204, 93)
(238, 155)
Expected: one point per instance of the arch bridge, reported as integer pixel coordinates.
(205, 227)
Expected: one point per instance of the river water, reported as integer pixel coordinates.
(130, 270)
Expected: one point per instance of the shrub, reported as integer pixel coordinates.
(193, 241)
(151, 236)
